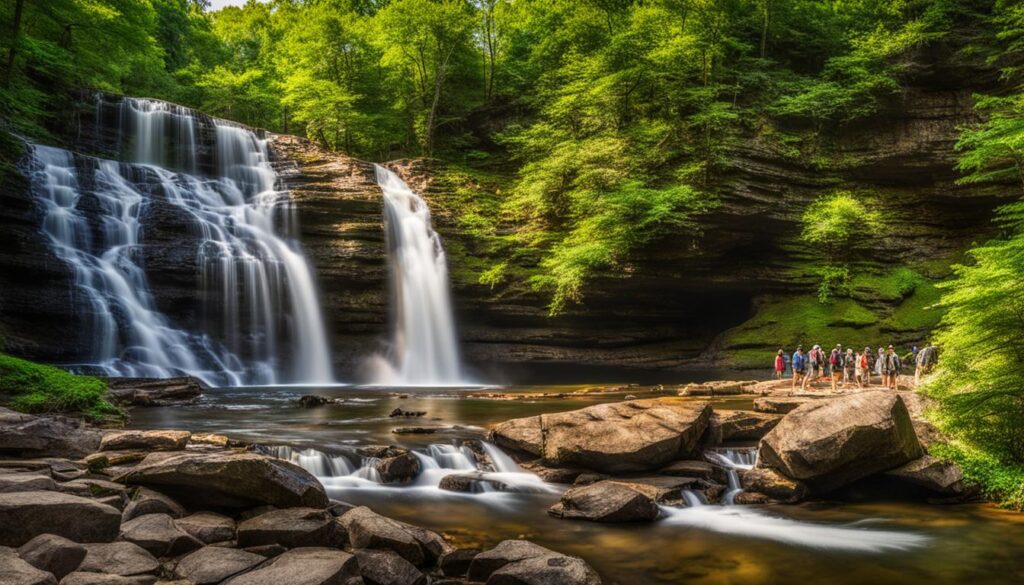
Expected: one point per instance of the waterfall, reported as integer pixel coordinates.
(732, 460)
(258, 293)
(424, 347)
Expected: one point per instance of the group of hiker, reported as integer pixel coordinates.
(852, 368)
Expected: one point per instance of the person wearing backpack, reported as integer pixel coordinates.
(925, 360)
(893, 365)
(835, 362)
(849, 368)
(780, 364)
(815, 361)
(799, 365)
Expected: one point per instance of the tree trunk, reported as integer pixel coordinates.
(432, 116)
(764, 26)
(15, 31)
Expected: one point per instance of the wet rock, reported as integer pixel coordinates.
(228, 480)
(118, 558)
(773, 485)
(25, 482)
(338, 507)
(267, 551)
(780, 404)
(154, 392)
(520, 562)
(456, 563)
(81, 578)
(932, 474)
(291, 528)
(16, 571)
(520, 434)
(208, 527)
(162, 440)
(668, 489)
(831, 443)
(695, 468)
(628, 436)
(407, 413)
(744, 425)
(399, 468)
(24, 435)
(418, 430)
(367, 529)
(549, 474)
(104, 459)
(605, 501)
(384, 567)
(93, 488)
(25, 515)
(303, 566)
(747, 498)
(214, 440)
(589, 478)
(158, 534)
(314, 401)
(146, 501)
(53, 554)
(213, 564)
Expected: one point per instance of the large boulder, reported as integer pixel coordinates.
(213, 564)
(303, 566)
(118, 558)
(637, 435)
(16, 571)
(229, 480)
(26, 515)
(161, 440)
(158, 534)
(25, 482)
(606, 501)
(24, 435)
(208, 527)
(780, 404)
(830, 443)
(154, 392)
(520, 562)
(744, 425)
(520, 434)
(402, 466)
(383, 567)
(367, 529)
(146, 501)
(773, 485)
(53, 554)
(291, 528)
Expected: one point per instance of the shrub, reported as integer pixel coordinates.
(30, 387)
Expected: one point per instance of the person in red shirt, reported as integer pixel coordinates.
(780, 365)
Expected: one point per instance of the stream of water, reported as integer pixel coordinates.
(816, 542)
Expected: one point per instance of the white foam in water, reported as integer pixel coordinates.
(424, 348)
(732, 460)
(746, 521)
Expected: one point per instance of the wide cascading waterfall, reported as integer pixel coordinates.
(424, 348)
(258, 291)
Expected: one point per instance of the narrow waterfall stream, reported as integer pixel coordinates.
(424, 347)
(257, 290)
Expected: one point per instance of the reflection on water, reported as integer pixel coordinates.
(820, 542)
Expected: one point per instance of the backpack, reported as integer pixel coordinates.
(836, 359)
(864, 361)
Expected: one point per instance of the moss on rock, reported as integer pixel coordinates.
(36, 388)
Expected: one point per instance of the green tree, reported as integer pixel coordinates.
(836, 227)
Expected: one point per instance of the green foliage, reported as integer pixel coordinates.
(998, 480)
(37, 388)
(839, 223)
(993, 151)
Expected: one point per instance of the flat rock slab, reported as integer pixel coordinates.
(93, 488)
(383, 567)
(780, 404)
(81, 578)
(118, 558)
(213, 564)
(208, 527)
(146, 501)
(936, 475)
(367, 529)
(15, 571)
(696, 469)
(154, 392)
(25, 482)
(606, 501)
(160, 440)
(25, 515)
(52, 553)
(830, 443)
(291, 528)
(24, 435)
(158, 534)
(744, 425)
(230, 480)
(303, 566)
(637, 435)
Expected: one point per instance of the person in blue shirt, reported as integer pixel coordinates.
(799, 365)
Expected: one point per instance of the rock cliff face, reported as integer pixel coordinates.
(686, 302)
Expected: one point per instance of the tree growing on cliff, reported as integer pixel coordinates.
(993, 151)
(837, 227)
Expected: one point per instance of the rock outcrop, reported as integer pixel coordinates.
(25, 435)
(830, 443)
(26, 515)
(605, 501)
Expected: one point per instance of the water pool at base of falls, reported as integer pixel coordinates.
(815, 542)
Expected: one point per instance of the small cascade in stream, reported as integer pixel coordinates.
(259, 296)
(424, 348)
(337, 472)
(732, 460)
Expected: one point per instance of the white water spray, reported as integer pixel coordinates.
(424, 348)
